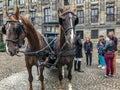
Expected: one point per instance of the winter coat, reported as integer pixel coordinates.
(78, 48)
(109, 47)
(100, 49)
(88, 47)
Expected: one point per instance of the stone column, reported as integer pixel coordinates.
(118, 11)
(102, 12)
(87, 14)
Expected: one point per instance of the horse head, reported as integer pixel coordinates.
(68, 20)
(15, 33)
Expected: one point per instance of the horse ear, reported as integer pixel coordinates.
(17, 13)
(60, 10)
(3, 29)
(76, 21)
(60, 20)
(73, 10)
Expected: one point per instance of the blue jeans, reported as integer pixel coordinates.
(102, 60)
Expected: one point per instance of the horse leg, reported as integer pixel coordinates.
(30, 78)
(60, 77)
(42, 77)
(37, 76)
(69, 77)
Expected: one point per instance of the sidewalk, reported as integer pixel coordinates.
(92, 79)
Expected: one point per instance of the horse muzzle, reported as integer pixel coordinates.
(13, 51)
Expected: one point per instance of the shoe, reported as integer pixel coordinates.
(99, 66)
(103, 67)
(106, 76)
(75, 69)
(80, 71)
(112, 75)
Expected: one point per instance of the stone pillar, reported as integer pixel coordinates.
(87, 14)
(118, 11)
(102, 12)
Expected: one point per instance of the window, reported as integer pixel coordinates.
(94, 34)
(33, 1)
(81, 34)
(80, 14)
(66, 2)
(10, 2)
(22, 13)
(1, 4)
(47, 15)
(21, 2)
(93, 0)
(110, 14)
(79, 1)
(94, 15)
(1, 19)
(33, 16)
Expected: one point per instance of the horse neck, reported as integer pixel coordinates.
(34, 37)
(33, 40)
(62, 38)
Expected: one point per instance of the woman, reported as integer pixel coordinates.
(101, 38)
(88, 48)
(101, 56)
(78, 54)
(109, 56)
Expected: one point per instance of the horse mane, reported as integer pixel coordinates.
(61, 36)
(32, 35)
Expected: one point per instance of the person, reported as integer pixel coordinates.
(78, 54)
(101, 38)
(109, 56)
(101, 56)
(114, 38)
(88, 48)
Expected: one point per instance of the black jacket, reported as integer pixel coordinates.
(88, 47)
(109, 47)
(78, 48)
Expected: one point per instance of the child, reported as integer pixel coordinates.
(101, 56)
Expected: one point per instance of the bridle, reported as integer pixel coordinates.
(20, 29)
(71, 26)
(71, 15)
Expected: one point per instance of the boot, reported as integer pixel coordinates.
(75, 62)
(79, 67)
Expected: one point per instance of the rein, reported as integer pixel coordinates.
(40, 52)
(13, 41)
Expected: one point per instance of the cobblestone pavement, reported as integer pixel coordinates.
(13, 76)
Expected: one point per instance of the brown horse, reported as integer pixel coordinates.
(64, 46)
(17, 29)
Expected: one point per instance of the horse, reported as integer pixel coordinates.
(64, 46)
(17, 29)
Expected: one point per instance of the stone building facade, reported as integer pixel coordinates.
(96, 17)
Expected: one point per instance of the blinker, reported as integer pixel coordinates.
(3, 29)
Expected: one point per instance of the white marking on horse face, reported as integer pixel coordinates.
(72, 36)
(72, 31)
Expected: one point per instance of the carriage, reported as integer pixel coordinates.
(51, 38)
